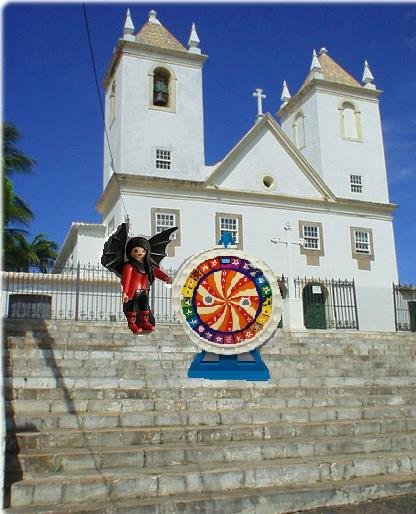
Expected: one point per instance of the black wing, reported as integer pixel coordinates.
(158, 244)
(114, 248)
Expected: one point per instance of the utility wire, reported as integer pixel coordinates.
(97, 84)
(99, 97)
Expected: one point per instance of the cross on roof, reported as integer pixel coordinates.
(260, 96)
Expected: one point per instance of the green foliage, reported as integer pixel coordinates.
(14, 161)
(19, 253)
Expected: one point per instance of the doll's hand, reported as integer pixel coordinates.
(169, 280)
(124, 298)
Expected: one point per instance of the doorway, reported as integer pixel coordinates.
(313, 297)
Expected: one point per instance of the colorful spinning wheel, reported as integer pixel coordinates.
(227, 303)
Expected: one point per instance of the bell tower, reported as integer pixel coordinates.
(335, 122)
(153, 104)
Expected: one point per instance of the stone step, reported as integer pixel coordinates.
(123, 483)
(165, 381)
(206, 388)
(131, 372)
(71, 460)
(155, 344)
(276, 500)
(130, 436)
(79, 359)
(56, 327)
(137, 405)
(74, 329)
(47, 421)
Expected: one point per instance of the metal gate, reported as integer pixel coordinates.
(404, 297)
(328, 303)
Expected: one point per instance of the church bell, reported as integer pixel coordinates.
(161, 98)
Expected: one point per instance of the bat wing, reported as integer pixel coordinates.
(114, 248)
(158, 244)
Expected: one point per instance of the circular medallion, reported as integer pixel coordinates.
(227, 303)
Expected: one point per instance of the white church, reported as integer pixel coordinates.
(307, 194)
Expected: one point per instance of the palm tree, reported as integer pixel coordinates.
(45, 251)
(19, 253)
(15, 210)
(14, 161)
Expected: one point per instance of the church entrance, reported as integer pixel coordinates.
(313, 297)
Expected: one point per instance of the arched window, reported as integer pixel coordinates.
(161, 80)
(113, 102)
(350, 121)
(299, 130)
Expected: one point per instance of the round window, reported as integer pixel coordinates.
(269, 182)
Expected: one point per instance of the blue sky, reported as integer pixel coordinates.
(50, 94)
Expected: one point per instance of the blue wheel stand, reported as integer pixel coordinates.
(229, 367)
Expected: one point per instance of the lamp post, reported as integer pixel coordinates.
(294, 307)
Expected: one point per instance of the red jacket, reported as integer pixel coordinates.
(132, 279)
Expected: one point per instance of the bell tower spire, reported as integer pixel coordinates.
(128, 31)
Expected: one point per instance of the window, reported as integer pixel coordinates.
(311, 236)
(349, 121)
(162, 219)
(362, 242)
(350, 118)
(362, 246)
(30, 306)
(162, 88)
(229, 225)
(232, 223)
(163, 159)
(161, 79)
(165, 220)
(299, 130)
(113, 102)
(313, 248)
(356, 183)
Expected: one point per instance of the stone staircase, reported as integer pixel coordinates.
(100, 421)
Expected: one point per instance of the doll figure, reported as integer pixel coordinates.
(137, 276)
(137, 273)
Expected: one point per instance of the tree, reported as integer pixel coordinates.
(15, 210)
(19, 254)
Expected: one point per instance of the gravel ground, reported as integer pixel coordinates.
(405, 504)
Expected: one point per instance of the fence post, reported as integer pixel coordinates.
(355, 303)
(77, 292)
(395, 306)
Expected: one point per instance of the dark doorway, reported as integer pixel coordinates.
(412, 315)
(313, 297)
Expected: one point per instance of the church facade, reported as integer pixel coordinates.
(307, 195)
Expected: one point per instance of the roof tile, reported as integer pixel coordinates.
(155, 34)
(332, 72)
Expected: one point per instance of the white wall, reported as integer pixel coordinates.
(140, 129)
(265, 157)
(374, 287)
(334, 157)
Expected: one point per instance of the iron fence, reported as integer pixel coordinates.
(92, 293)
(89, 293)
(327, 303)
(404, 298)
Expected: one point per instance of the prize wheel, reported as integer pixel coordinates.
(226, 302)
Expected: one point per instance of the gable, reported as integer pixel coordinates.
(265, 161)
